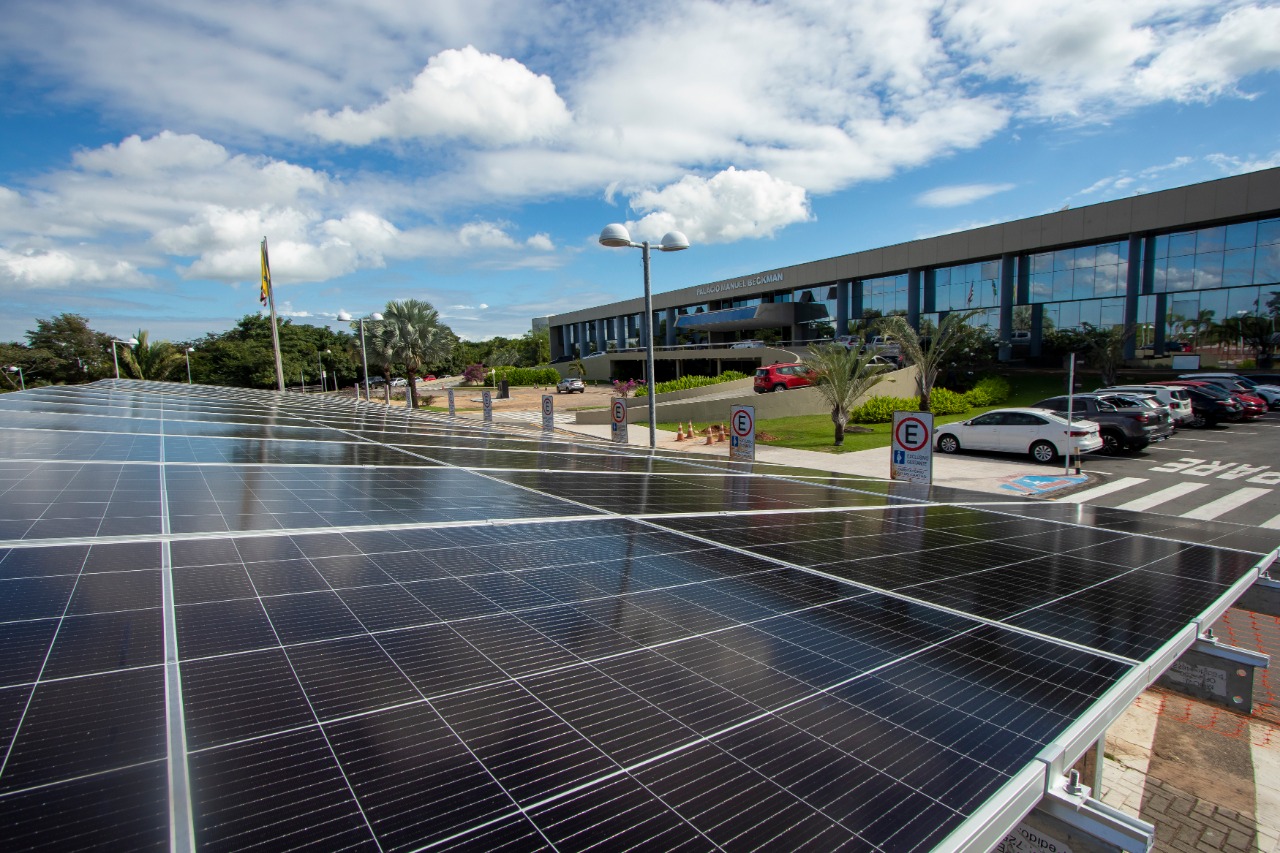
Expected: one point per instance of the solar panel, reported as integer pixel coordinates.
(233, 618)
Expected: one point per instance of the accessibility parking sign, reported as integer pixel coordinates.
(911, 451)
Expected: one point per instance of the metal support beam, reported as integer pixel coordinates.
(1069, 818)
(1216, 673)
(1262, 597)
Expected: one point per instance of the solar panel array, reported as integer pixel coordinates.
(232, 619)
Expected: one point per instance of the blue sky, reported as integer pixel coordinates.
(468, 152)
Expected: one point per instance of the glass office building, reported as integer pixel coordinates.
(1154, 261)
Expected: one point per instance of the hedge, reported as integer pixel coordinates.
(684, 383)
(526, 375)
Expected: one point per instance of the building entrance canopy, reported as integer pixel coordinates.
(746, 318)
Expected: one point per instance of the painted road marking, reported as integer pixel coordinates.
(1105, 489)
(1273, 524)
(1162, 496)
(1225, 504)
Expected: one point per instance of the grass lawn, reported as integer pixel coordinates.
(816, 432)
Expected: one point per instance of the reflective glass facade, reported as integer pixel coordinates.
(975, 285)
(887, 295)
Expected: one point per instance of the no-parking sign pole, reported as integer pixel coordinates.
(742, 433)
(911, 451)
(548, 412)
(618, 419)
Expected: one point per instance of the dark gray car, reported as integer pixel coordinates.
(1124, 428)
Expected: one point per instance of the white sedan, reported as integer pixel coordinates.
(1038, 432)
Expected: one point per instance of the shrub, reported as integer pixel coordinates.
(879, 410)
(684, 383)
(474, 374)
(944, 402)
(526, 376)
(988, 391)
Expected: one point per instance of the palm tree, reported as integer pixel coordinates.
(418, 338)
(931, 353)
(146, 360)
(843, 375)
(380, 349)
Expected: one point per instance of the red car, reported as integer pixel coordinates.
(783, 377)
(1254, 407)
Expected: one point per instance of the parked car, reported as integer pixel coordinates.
(1254, 407)
(376, 380)
(595, 354)
(1246, 385)
(399, 382)
(570, 384)
(1176, 400)
(746, 344)
(1210, 405)
(783, 377)
(430, 377)
(1043, 434)
(1123, 428)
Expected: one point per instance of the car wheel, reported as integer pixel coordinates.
(948, 443)
(1199, 421)
(1113, 444)
(1043, 451)
(779, 387)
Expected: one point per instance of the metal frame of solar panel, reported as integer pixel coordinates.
(234, 618)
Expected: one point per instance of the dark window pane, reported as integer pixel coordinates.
(1182, 244)
(1210, 239)
(1242, 235)
(1237, 268)
(1268, 232)
(1208, 270)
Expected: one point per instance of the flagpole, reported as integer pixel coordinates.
(271, 300)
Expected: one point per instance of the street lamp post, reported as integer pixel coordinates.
(320, 360)
(115, 359)
(22, 382)
(364, 361)
(188, 355)
(616, 237)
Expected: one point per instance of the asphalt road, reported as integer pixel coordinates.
(1229, 473)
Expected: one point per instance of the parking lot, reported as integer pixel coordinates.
(1229, 473)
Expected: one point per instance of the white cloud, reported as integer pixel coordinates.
(60, 269)
(461, 94)
(730, 206)
(1232, 165)
(954, 196)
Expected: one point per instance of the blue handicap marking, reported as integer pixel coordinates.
(1039, 485)
(899, 457)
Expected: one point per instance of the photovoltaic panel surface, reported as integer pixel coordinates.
(234, 619)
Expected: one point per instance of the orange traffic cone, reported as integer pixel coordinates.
(710, 436)
(690, 432)
(720, 432)
(679, 431)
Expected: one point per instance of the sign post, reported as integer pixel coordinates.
(618, 418)
(911, 452)
(548, 411)
(452, 411)
(486, 398)
(742, 433)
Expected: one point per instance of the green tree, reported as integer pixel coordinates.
(844, 375)
(65, 350)
(930, 354)
(418, 338)
(153, 361)
(1104, 349)
(535, 347)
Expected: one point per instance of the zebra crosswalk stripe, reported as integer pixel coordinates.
(1273, 524)
(1099, 491)
(1163, 496)
(1225, 504)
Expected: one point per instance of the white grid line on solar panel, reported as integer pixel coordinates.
(80, 777)
(924, 603)
(708, 739)
(1033, 510)
(8, 752)
(497, 663)
(333, 753)
(329, 743)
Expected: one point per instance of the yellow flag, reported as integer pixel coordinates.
(266, 274)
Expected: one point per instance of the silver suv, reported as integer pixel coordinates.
(570, 384)
(1175, 399)
(1123, 428)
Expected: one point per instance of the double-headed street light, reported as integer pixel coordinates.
(188, 355)
(616, 237)
(114, 358)
(22, 382)
(364, 361)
